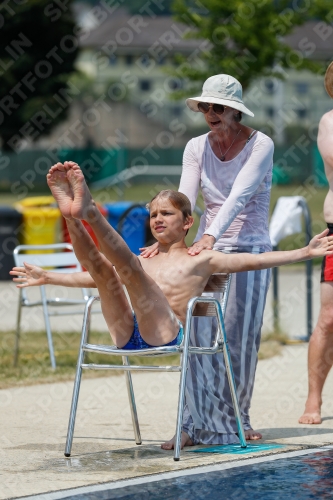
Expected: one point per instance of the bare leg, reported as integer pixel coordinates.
(185, 441)
(115, 307)
(119, 316)
(320, 357)
(157, 322)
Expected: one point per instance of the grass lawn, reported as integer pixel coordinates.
(34, 362)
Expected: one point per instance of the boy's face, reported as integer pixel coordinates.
(167, 223)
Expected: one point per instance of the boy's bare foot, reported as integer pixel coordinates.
(251, 435)
(83, 206)
(185, 441)
(58, 183)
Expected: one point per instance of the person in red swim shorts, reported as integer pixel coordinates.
(320, 356)
(327, 265)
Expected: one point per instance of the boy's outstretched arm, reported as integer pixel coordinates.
(31, 275)
(319, 246)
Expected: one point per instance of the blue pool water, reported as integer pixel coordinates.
(302, 477)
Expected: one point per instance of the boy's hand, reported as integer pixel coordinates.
(321, 245)
(29, 275)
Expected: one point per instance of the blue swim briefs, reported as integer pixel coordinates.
(136, 342)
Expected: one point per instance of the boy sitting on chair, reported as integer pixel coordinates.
(159, 288)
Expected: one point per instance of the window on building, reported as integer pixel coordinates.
(301, 112)
(301, 87)
(128, 60)
(145, 85)
(270, 86)
(113, 60)
(145, 60)
(175, 83)
(270, 111)
(177, 110)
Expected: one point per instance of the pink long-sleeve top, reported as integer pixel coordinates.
(236, 192)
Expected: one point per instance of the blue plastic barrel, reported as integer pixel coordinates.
(131, 220)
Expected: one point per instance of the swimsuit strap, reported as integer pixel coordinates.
(251, 135)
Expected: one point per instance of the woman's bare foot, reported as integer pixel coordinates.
(58, 183)
(185, 441)
(251, 435)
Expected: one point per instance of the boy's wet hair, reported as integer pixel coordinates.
(177, 199)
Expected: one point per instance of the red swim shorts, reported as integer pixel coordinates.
(327, 265)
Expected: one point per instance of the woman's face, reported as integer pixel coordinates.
(219, 122)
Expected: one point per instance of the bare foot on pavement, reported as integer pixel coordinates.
(311, 415)
(251, 435)
(185, 441)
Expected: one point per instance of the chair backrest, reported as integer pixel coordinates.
(218, 284)
(59, 256)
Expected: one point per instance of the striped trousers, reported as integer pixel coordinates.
(208, 415)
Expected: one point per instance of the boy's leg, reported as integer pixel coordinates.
(115, 307)
(157, 323)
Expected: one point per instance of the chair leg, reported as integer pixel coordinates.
(231, 380)
(78, 376)
(48, 326)
(131, 398)
(75, 398)
(18, 330)
(182, 385)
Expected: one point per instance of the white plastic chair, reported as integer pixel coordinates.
(197, 306)
(60, 258)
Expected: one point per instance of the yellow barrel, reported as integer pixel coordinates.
(41, 218)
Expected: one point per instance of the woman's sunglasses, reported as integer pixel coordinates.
(217, 108)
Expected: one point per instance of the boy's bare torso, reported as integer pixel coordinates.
(179, 275)
(325, 145)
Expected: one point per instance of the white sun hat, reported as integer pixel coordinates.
(329, 80)
(220, 89)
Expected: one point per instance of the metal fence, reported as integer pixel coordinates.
(25, 172)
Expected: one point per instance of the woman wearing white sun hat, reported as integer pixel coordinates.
(232, 164)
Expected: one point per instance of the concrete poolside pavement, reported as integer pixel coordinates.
(34, 426)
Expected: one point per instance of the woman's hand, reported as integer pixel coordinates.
(28, 275)
(150, 251)
(205, 243)
(321, 245)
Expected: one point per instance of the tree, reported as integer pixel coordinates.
(37, 53)
(246, 38)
